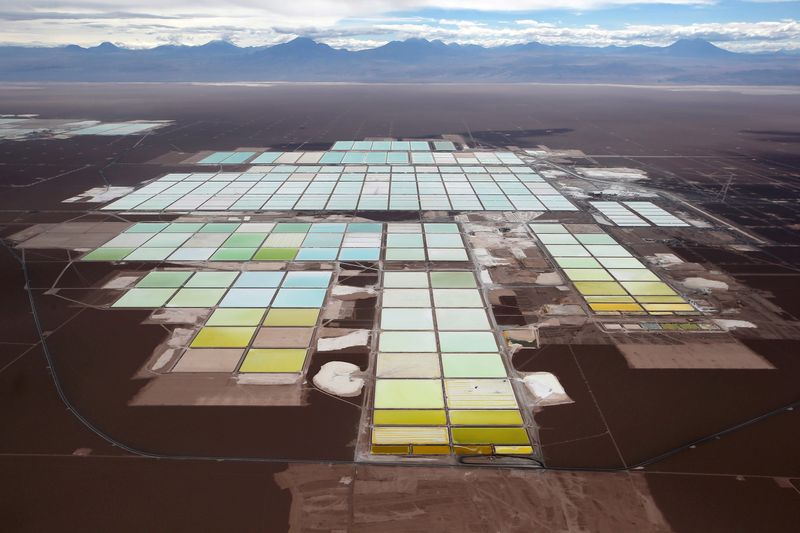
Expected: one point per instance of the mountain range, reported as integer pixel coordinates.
(686, 61)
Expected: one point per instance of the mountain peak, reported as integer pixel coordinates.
(695, 47)
(105, 46)
(220, 44)
(304, 42)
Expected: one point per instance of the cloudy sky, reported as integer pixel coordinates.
(752, 25)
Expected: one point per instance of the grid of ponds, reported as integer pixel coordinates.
(261, 322)
(375, 152)
(335, 187)
(117, 128)
(655, 214)
(441, 383)
(283, 241)
(607, 276)
(633, 214)
(394, 145)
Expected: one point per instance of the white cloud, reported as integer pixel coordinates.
(745, 36)
(353, 24)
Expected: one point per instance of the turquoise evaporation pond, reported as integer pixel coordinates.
(304, 298)
(248, 298)
(259, 279)
(307, 279)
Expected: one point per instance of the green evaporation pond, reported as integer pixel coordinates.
(406, 298)
(233, 254)
(453, 280)
(467, 341)
(147, 227)
(212, 279)
(457, 298)
(244, 240)
(444, 241)
(548, 228)
(149, 254)
(577, 262)
(557, 238)
(440, 228)
(163, 280)
(406, 319)
(404, 240)
(196, 298)
(145, 298)
(408, 341)
(275, 254)
(408, 393)
(289, 227)
(405, 254)
(595, 238)
(219, 227)
(633, 274)
(183, 227)
(405, 279)
(620, 262)
(462, 319)
(567, 250)
(108, 254)
(473, 366)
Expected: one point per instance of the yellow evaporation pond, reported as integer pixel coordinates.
(633, 274)
(668, 307)
(430, 450)
(408, 393)
(409, 417)
(409, 435)
(486, 418)
(654, 288)
(223, 337)
(235, 317)
(273, 360)
(609, 299)
(660, 299)
(587, 274)
(480, 394)
(490, 436)
(291, 317)
(600, 288)
(389, 450)
(472, 450)
(514, 450)
(634, 308)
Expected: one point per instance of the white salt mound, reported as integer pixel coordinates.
(549, 279)
(359, 337)
(336, 377)
(703, 283)
(546, 388)
(733, 324)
